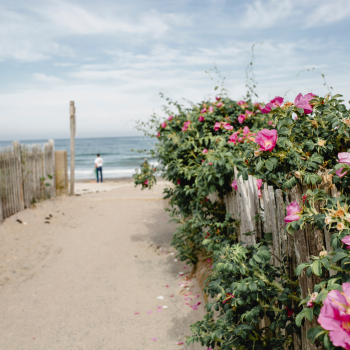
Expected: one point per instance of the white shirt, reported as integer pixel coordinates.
(99, 162)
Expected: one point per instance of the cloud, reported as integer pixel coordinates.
(267, 14)
(283, 13)
(330, 12)
(36, 31)
(46, 78)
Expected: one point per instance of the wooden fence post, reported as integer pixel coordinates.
(72, 146)
(18, 161)
(52, 167)
(2, 182)
(49, 158)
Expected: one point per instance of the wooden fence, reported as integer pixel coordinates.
(245, 205)
(27, 175)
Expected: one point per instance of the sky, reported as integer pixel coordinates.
(113, 58)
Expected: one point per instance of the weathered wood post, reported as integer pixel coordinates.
(72, 146)
(53, 166)
(2, 181)
(18, 160)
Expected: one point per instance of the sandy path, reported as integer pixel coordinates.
(76, 283)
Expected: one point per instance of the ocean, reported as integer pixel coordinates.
(118, 158)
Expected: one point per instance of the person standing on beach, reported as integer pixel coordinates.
(98, 167)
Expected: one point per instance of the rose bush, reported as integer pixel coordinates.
(282, 144)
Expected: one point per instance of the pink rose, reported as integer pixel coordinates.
(146, 182)
(346, 240)
(186, 125)
(249, 113)
(309, 96)
(344, 157)
(204, 110)
(293, 212)
(241, 118)
(158, 134)
(241, 103)
(240, 139)
(266, 139)
(201, 118)
(211, 109)
(170, 118)
(338, 172)
(210, 163)
(178, 182)
(163, 125)
(246, 130)
(259, 183)
(233, 137)
(276, 102)
(234, 185)
(258, 105)
(217, 126)
(205, 150)
(218, 98)
(220, 104)
(303, 102)
(335, 316)
(270, 122)
(227, 126)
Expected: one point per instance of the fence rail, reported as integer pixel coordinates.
(27, 175)
(244, 205)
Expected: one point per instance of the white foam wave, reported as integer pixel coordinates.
(108, 173)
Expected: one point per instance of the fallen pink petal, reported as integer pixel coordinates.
(196, 296)
(179, 343)
(171, 296)
(154, 339)
(149, 312)
(159, 310)
(136, 313)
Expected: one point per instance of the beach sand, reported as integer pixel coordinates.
(87, 272)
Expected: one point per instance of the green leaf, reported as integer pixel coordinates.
(283, 131)
(256, 258)
(241, 287)
(316, 267)
(253, 286)
(300, 317)
(300, 268)
(327, 342)
(326, 264)
(265, 254)
(339, 256)
(259, 165)
(309, 314)
(216, 87)
(314, 333)
(269, 165)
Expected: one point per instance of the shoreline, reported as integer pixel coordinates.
(113, 180)
(87, 186)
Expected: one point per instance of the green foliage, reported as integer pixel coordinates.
(198, 148)
(145, 177)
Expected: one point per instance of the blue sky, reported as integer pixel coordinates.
(114, 57)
